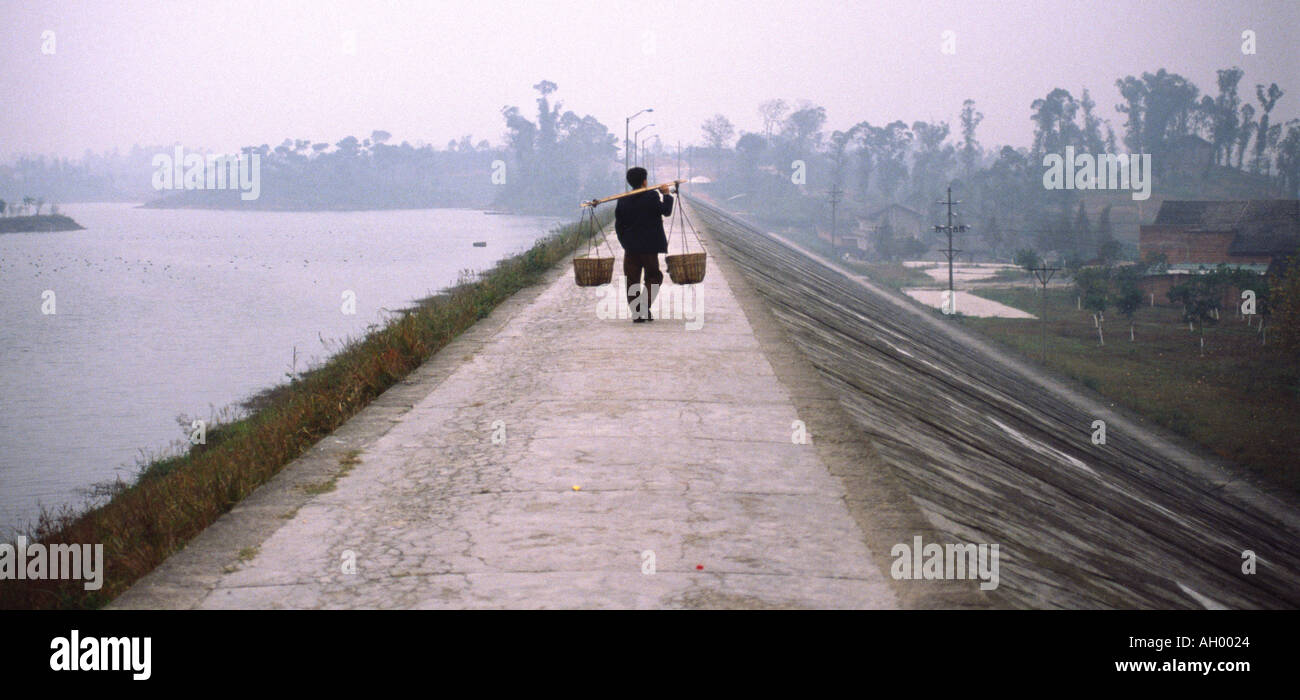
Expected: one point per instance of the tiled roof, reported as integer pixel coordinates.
(1263, 226)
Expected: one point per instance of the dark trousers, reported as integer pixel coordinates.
(633, 266)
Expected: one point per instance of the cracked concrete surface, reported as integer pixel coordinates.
(678, 441)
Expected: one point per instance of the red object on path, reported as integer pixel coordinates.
(699, 566)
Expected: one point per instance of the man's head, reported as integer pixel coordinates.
(636, 177)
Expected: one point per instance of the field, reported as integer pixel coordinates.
(1241, 400)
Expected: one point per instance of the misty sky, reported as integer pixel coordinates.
(227, 73)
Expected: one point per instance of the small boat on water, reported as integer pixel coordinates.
(480, 244)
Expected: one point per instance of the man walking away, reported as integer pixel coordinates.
(638, 221)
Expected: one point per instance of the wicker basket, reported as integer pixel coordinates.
(686, 268)
(593, 272)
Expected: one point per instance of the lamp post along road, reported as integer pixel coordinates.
(627, 141)
(636, 135)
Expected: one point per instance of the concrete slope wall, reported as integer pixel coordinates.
(995, 452)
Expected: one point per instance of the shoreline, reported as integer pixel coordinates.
(41, 223)
(175, 498)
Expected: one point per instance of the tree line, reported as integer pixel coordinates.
(544, 166)
(1002, 188)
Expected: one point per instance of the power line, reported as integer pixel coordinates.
(950, 252)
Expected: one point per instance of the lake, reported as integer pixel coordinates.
(160, 313)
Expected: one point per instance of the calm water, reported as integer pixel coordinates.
(160, 313)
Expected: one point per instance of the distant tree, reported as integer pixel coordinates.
(772, 112)
(749, 149)
(1128, 295)
(348, 146)
(1267, 99)
(1082, 231)
(2, 207)
(1054, 126)
(891, 144)
(27, 203)
(718, 132)
(319, 147)
(804, 128)
(1159, 106)
(932, 160)
(863, 135)
(1155, 263)
(970, 150)
(839, 143)
(993, 235)
(1288, 159)
(911, 248)
(1027, 258)
(1197, 295)
(1244, 132)
(1094, 285)
(1224, 130)
(380, 136)
(1109, 251)
(1241, 280)
(40, 202)
(1092, 140)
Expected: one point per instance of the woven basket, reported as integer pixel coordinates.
(593, 272)
(686, 268)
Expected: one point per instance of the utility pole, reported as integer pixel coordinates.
(835, 194)
(950, 252)
(1043, 274)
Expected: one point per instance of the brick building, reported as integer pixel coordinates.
(1196, 236)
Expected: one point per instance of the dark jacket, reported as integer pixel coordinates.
(638, 221)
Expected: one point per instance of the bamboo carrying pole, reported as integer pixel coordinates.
(647, 188)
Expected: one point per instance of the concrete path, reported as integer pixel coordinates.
(552, 458)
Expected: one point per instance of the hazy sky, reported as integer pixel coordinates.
(224, 73)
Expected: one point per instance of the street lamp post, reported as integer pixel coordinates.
(627, 144)
(636, 146)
